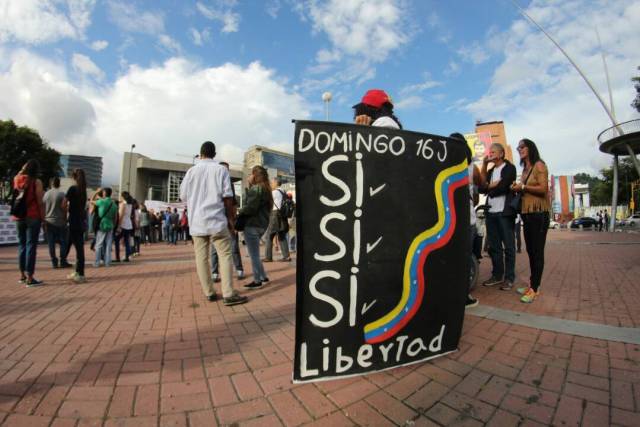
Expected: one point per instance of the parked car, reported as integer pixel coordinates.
(554, 224)
(585, 222)
(632, 221)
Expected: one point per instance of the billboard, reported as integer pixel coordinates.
(382, 266)
(479, 143)
(563, 195)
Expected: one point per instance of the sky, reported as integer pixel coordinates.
(96, 76)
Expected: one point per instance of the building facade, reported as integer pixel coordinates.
(92, 167)
(277, 163)
(149, 179)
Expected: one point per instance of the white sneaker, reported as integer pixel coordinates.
(240, 275)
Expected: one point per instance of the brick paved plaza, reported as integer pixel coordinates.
(139, 345)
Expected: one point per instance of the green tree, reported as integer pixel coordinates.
(601, 188)
(19, 144)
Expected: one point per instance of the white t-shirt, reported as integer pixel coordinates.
(203, 188)
(126, 217)
(277, 199)
(385, 122)
(496, 204)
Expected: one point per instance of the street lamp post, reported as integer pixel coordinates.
(326, 98)
(129, 177)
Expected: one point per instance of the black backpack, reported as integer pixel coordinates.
(287, 208)
(19, 202)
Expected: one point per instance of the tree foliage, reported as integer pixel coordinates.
(601, 188)
(19, 144)
(636, 102)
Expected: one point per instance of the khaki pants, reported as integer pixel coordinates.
(202, 247)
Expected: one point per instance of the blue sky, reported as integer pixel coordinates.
(95, 77)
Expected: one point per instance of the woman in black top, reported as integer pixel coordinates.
(77, 200)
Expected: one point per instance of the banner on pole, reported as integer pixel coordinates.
(383, 248)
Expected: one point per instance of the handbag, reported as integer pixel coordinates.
(516, 200)
(241, 222)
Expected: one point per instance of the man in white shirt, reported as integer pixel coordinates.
(278, 226)
(206, 188)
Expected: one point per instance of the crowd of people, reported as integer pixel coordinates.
(66, 219)
(215, 218)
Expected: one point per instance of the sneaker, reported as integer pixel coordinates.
(72, 276)
(212, 297)
(267, 260)
(492, 281)
(215, 277)
(253, 285)
(529, 296)
(522, 290)
(234, 300)
(507, 285)
(471, 302)
(22, 281)
(65, 264)
(34, 283)
(265, 280)
(240, 275)
(96, 265)
(126, 260)
(79, 279)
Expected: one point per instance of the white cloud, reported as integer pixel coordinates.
(165, 109)
(370, 29)
(223, 13)
(428, 83)
(199, 38)
(130, 19)
(86, 66)
(409, 102)
(473, 53)
(273, 8)
(540, 96)
(169, 43)
(44, 21)
(453, 69)
(99, 45)
(38, 93)
(442, 33)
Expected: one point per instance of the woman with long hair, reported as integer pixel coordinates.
(257, 207)
(77, 200)
(534, 189)
(28, 221)
(126, 223)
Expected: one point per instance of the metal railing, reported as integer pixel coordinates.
(630, 126)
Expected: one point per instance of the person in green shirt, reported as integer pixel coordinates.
(107, 211)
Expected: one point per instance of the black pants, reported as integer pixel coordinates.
(535, 227)
(76, 238)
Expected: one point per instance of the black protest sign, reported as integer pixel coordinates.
(383, 244)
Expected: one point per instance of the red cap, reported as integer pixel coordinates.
(376, 98)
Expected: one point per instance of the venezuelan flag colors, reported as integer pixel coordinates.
(422, 245)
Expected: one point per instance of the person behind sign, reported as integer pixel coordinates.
(500, 218)
(28, 223)
(257, 207)
(278, 225)
(535, 213)
(206, 189)
(474, 181)
(376, 109)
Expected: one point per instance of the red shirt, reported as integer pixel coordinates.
(33, 207)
